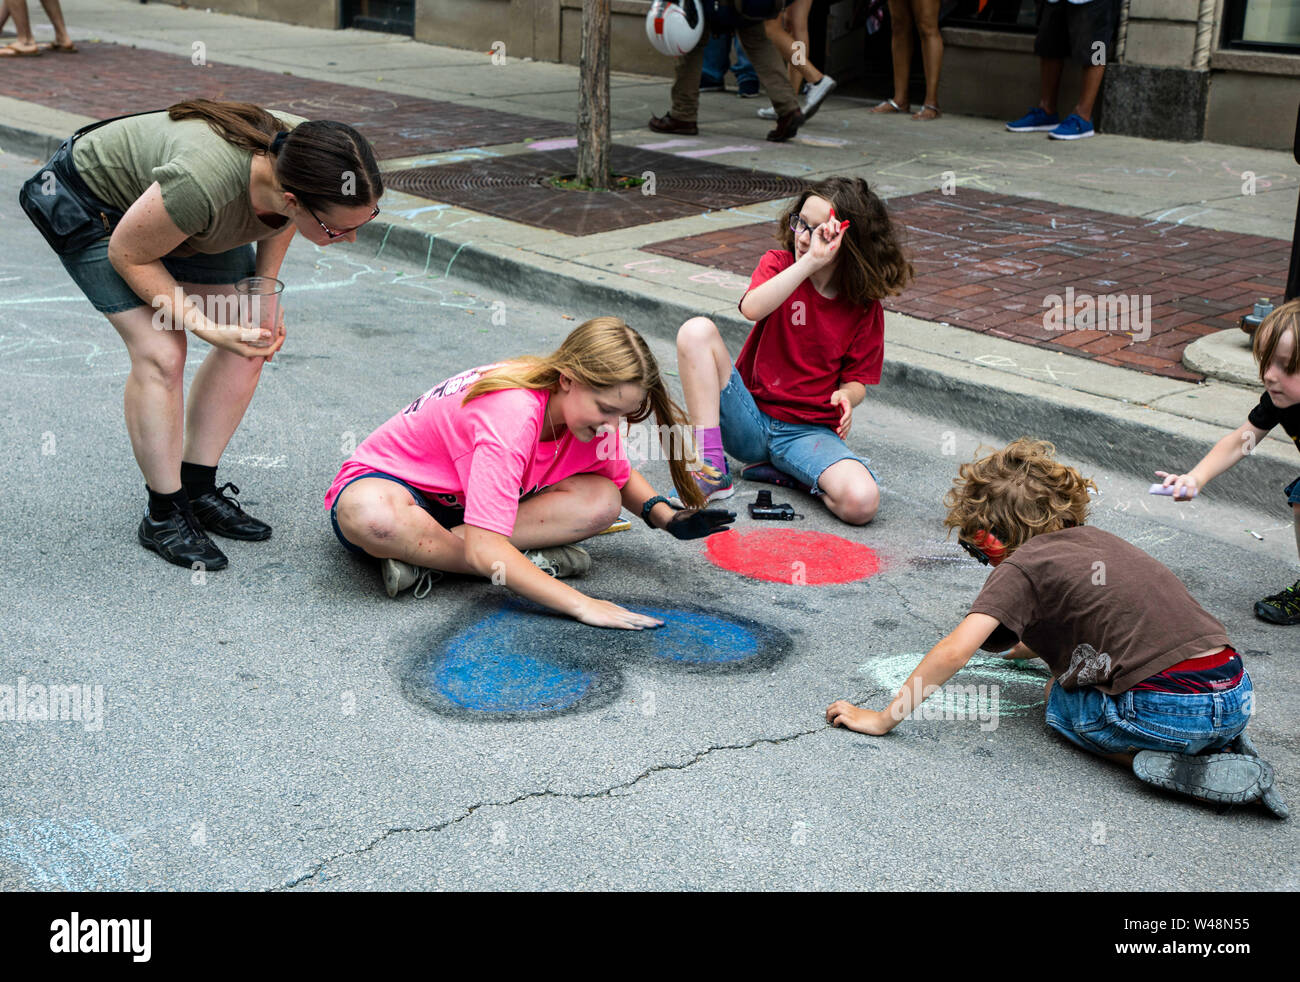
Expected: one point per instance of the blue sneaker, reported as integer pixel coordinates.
(1037, 120)
(1073, 127)
(747, 88)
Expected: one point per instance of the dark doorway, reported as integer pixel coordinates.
(390, 16)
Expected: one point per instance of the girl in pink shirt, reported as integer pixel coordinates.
(786, 405)
(497, 470)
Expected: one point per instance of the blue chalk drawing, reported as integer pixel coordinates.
(483, 670)
(700, 638)
(520, 662)
(66, 855)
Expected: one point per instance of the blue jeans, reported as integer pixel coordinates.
(1181, 723)
(802, 450)
(715, 60)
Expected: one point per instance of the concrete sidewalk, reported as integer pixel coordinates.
(1114, 415)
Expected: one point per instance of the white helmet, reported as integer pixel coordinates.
(675, 27)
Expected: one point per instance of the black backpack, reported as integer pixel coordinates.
(723, 17)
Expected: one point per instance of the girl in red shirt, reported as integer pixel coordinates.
(786, 405)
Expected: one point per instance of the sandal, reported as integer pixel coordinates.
(67, 49)
(890, 106)
(9, 51)
(927, 108)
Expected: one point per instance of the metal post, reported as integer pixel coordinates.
(1293, 278)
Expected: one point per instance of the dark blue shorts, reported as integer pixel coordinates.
(1292, 492)
(446, 514)
(109, 294)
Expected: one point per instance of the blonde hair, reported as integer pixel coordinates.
(600, 354)
(1016, 493)
(1282, 321)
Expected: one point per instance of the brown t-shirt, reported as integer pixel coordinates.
(1098, 610)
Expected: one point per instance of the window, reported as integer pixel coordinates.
(1263, 25)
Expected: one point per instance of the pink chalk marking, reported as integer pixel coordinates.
(563, 143)
(713, 151)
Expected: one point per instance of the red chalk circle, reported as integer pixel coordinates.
(800, 558)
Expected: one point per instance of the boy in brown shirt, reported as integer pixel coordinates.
(1142, 675)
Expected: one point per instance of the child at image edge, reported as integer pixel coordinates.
(1141, 674)
(787, 404)
(1277, 350)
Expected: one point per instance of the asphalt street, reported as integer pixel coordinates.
(264, 730)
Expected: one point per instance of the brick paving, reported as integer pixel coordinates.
(517, 188)
(986, 262)
(106, 80)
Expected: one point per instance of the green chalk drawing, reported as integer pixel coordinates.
(1020, 681)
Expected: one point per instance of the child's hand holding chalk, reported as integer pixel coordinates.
(1182, 487)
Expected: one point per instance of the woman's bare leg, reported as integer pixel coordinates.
(927, 25)
(784, 43)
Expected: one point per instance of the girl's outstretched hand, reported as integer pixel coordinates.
(696, 523)
(602, 613)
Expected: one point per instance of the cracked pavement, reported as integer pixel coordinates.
(256, 736)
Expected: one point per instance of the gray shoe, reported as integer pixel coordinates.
(767, 112)
(1270, 799)
(399, 576)
(560, 561)
(1225, 779)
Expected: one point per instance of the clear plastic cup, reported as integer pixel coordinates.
(259, 305)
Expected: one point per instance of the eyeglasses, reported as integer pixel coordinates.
(975, 551)
(798, 226)
(331, 232)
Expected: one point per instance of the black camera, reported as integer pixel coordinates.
(763, 509)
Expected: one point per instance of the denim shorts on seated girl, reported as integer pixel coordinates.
(1292, 492)
(802, 450)
(443, 508)
(109, 294)
(1181, 723)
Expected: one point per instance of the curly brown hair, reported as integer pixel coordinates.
(1016, 493)
(872, 265)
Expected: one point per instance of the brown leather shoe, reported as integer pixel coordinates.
(666, 124)
(786, 126)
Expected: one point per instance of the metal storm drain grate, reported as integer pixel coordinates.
(518, 188)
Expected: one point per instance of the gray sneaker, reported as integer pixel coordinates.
(399, 576)
(560, 561)
(1270, 799)
(1225, 779)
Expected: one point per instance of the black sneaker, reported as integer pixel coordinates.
(1281, 608)
(179, 539)
(220, 513)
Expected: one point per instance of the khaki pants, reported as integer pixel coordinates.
(767, 63)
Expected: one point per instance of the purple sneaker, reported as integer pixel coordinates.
(767, 474)
(714, 483)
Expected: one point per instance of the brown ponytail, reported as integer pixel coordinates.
(321, 161)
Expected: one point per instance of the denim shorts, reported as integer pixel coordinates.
(1292, 492)
(802, 450)
(445, 514)
(109, 294)
(1181, 723)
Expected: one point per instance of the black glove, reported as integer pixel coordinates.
(696, 523)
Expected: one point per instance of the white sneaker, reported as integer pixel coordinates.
(399, 576)
(560, 561)
(767, 112)
(816, 93)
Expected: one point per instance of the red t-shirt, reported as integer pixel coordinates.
(808, 347)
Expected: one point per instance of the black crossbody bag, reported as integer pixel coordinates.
(61, 206)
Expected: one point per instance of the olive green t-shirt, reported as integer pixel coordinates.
(204, 179)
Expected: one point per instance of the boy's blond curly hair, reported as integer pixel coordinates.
(1016, 493)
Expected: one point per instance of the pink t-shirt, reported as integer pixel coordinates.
(485, 454)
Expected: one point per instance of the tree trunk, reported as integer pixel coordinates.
(593, 102)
